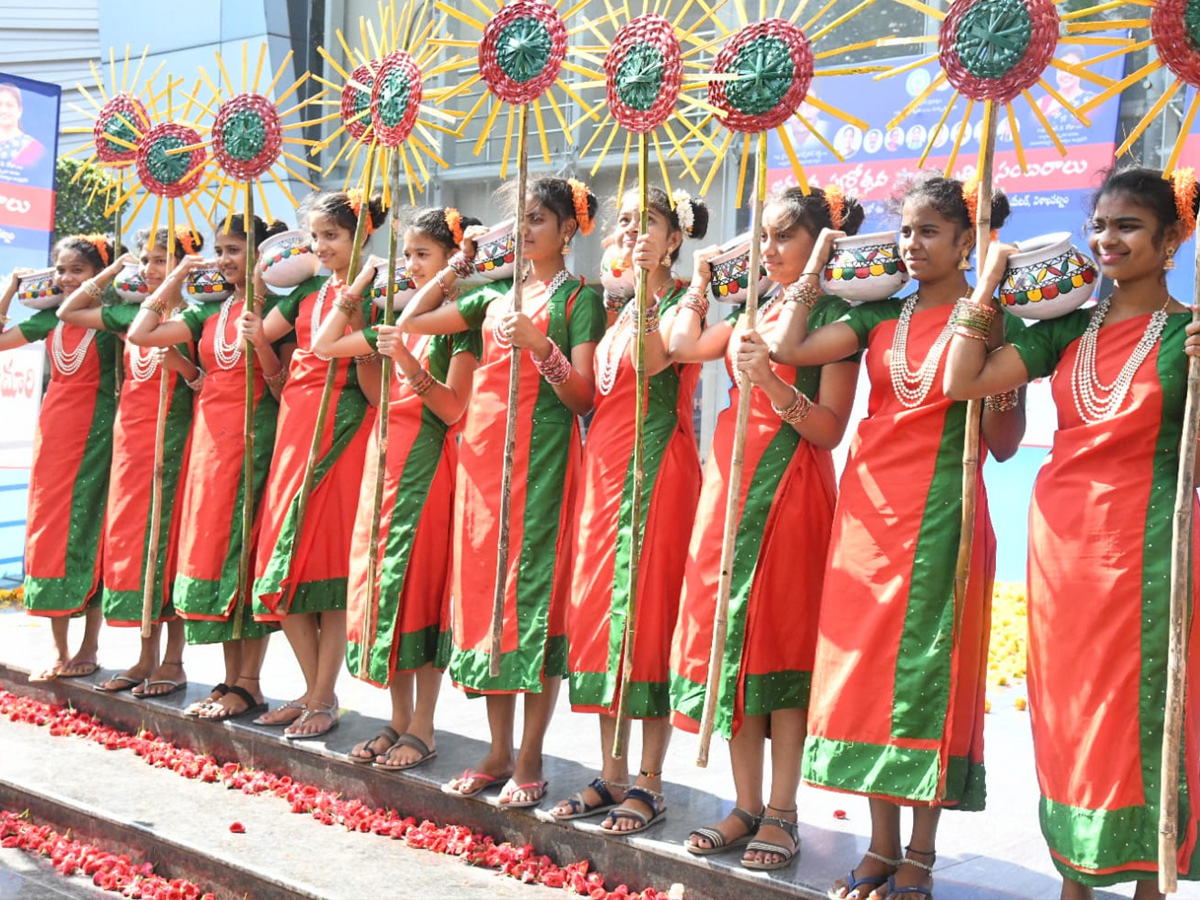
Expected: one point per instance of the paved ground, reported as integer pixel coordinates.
(994, 855)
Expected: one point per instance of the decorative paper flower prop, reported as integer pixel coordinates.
(1175, 33)
(387, 102)
(521, 55)
(762, 75)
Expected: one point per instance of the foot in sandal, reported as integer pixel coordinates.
(776, 843)
(733, 832)
(598, 797)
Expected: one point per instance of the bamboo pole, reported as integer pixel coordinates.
(254, 303)
(385, 400)
(639, 453)
(119, 347)
(734, 494)
(314, 448)
(514, 376)
(156, 491)
(983, 237)
(1181, 546)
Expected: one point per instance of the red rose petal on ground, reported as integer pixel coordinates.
(237, 828)
(840, 814)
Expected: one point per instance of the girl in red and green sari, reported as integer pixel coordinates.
(896, 713)
(561, 322)
(1099, 536)
(213, 606)
(398, 631)
(127, 523)
(72, 452)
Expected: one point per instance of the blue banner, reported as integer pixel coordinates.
(28, 149)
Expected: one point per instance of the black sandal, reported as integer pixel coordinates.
(786, 854)
(718, 841)
(387, 733)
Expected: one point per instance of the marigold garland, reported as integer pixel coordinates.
(326, 807)
(454, 223)
(836, 200)
(579, 195)
(100, 242)
(186, 240)
(1183, 182)
(970, 192)
(355, 196)
(13, 597)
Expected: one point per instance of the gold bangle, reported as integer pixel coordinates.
(277, 380)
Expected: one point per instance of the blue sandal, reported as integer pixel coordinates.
(580, 808)
(871, 881)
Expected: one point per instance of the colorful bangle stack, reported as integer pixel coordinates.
(449, 293)
(804, 294)
(277, 380)
(462, 266)
(614, 302)
(156, 304)
(348, 302)
(797, 412)
(555, 368)
(695, 300)
(653, 318)
(92, 289)
(367, 358)
(421, 382)
(1002, 403)
(973, 320)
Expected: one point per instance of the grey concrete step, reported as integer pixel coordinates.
(24, 877)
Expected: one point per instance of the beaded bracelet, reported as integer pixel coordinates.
(277, 380)
(462, 266)
(448, 293)
(555, 368)
(157, 305)
(652, 319)
(797, 412)
(968, 332)
(421, 382)
(198, 382)
(695, 301)
(804, 294)
(92, 289)
(1001, 403)
(973, 317)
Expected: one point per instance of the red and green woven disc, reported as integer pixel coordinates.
(643, 72)
(170, 175)
(115, 118)
(247, 136)
(1175, 26)
(522, 50)
(773, 63)
(994, 49)
(396, 98)
(355, 100)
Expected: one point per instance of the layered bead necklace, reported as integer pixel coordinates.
(144, 363)
(762, 309)
(228, 354)
(912, 387)
(1096, 401)
(618, 338)
(552, 287)
(68, 361)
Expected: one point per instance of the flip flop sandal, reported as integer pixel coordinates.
(895, 890)
(193, 711)
(291, 704)
(124, 682)
(529, 786)
(83, 670)
(720, 843)
(175, 688)
(656, 801)
(407, 740)
(387, 733)
(253, 707)
(786, 854)
(471, 777)
(872, 882)
(46, 674)
(325, 709)
(579, 806)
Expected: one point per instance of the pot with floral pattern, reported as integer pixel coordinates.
(287, 260)
(1047, 278)
(731, 272)
(129, 284)
(37, 289)
(865, 267)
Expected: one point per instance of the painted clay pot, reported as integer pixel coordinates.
(495, 254)
(404, 287)
(731, 272)
(37, 290)
(865, 267)
(287, 259)
(130, 286)
(206, 284)
(1048, 278)
(616, 273)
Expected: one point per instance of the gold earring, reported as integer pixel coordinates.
(566, 250)
(1169, 265)
(665, 262)
(964, 264)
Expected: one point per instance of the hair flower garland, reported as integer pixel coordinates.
(970, 192)
(100, 242)
(356, 197)
(835, 199)
(454, 223)
(185, 239)
(1183, 182)
(579, 195)
(684, 211)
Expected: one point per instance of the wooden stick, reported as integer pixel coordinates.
(514, 384)
(639, 453)
(314, 448)
(385, 399)
(983, 237)
(119, 346)
(156, 491)
(255, 303)
(733, 496)
(1181, 547)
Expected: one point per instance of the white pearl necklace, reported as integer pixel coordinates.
(142, 367)
(617, 340)
(315, 321)
(1087, 388)
(68, 362)
(227, 354)
(912, 387)
(552, 287)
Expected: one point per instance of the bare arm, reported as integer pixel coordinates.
(688, 340)
(447, 400)
(150, 329)
(428, 312)
(1003, 430)
(10, 338)
(82, 307)
(794, 343)
(332, 338)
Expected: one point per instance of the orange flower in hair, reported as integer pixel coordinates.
(579, 196)
(1183, 182)
(186, 240)
(100, 242)
(454, 223)
(836, 200)
(355, 196)
(970, 193)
